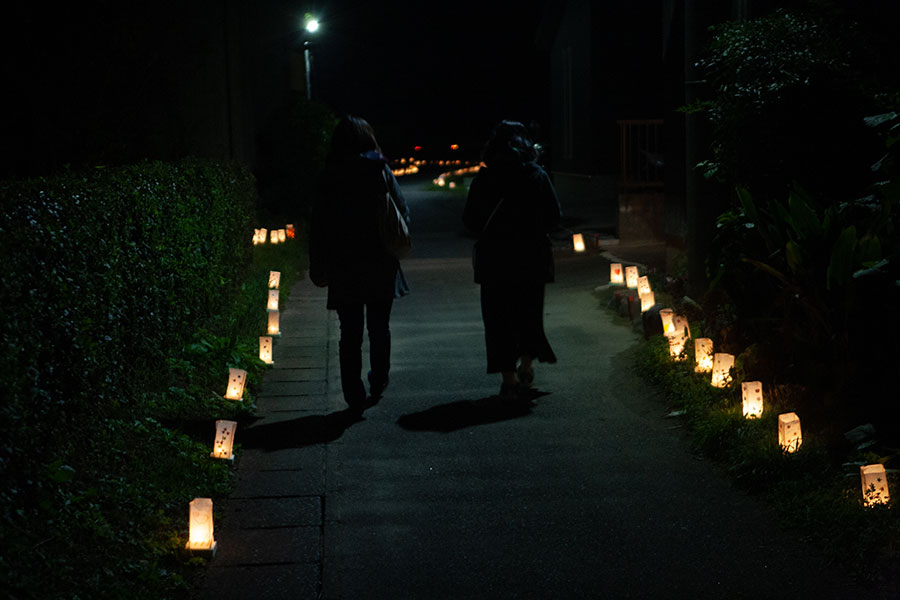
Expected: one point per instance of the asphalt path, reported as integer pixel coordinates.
(590, 491)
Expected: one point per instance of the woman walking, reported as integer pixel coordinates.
(346, 254)
(513, 207)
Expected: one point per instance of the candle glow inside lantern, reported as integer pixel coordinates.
(256, 240)
(752, 399)
(631, 277)
(667, 316)
(272, 327)
(236, 380)
(721, 371)
(289, 230)
(263, 234)
(703, 355)
(273, 236)
(282, 236)
(578, 242)
(274, 279)
(201, 525)
(643, 285)
(676, 346)
(648, 300)
(874, 484)
(789, 435)
(273, 300)
(616, 275)
(265, 349)
(224, 442)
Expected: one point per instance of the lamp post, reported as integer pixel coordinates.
(311, 26)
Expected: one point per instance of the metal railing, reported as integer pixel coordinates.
(641, 153)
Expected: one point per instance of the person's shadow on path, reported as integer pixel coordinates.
(468, 413)
(299, 432)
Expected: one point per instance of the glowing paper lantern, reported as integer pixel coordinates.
(201, 525)
(676, 346)
(721, 371)
(289, 229)
(667, 316)
(265, 349)
(274, 279)
(272, 327)
(282, 236)
(631, 277)
(681, 325)
(616, 275)
(643, 285)
(273, 300)
(256, 237)
(578, 242)
(703, 355)
(789, 436)
(273, 236)
(224, 442)
(648, 300)
(752, 399)
(236, 380)
(874, 485)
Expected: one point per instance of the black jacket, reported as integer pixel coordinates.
(513, 245)
(344, 247)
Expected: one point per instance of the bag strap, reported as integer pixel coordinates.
(491, 216)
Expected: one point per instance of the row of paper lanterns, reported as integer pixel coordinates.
(274, 236)
(200, 536)
(677, 331)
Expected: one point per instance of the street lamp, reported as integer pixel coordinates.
(311, 25)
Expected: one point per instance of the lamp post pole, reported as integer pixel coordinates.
(306, 59)
(311, 26)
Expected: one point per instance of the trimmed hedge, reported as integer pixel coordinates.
(111, 279)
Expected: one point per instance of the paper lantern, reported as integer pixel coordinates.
(631, 277)
(874, 484)
(272, 327)
(265, 349)
(667, 316)
(224, 442)
(282, 236)
(703, 355)
(201, 525)
(236, 380)
(274, 279)
(643, 285)
(578, 242)
(721, 371)
(680, 323)
(256, 237)
(789, 437)
(263, 235)
(676, 346)
(648, 301)
(273, 300)
(616, 275)
(289, 230)
(273, 236)
(752, 399)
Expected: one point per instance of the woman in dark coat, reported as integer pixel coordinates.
(347, 256)
(513, 207)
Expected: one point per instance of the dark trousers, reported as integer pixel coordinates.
(513, 315)
(374, 316)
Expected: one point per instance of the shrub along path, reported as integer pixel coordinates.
(441, 491)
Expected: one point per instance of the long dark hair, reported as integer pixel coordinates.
(352, 136)
(509, 142)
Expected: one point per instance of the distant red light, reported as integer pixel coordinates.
(417, 148)
(454, 146)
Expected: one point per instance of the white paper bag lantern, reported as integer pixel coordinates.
(256, 237)
(676, 346)
(272, 327)
(874, 484)
(200, 536)
(282, 236)
(263, 235)
(681, 325)
(631, 277)
(273, 236)
(265, 349)
(578, 242)
(274, 279)
(721, 371)
(752, 399)
(703, 355)
(236, 380)
(667, 316)
(789, 435)
(272, 304)
(224, 442)
(643, 285)
(616, 274)
(648, 301)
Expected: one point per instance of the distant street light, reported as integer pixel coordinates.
(311, 26)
